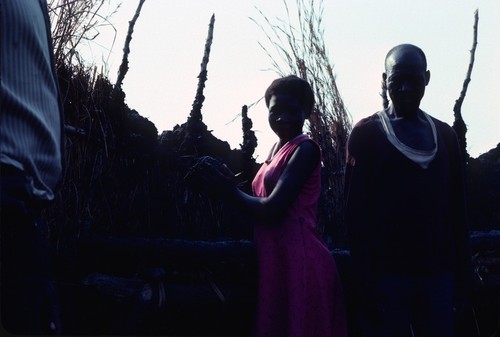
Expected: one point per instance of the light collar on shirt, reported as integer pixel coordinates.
(421, 157)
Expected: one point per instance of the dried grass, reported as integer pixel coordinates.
(302, 52)
(75, 22)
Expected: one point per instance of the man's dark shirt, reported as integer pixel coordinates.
(403, 218)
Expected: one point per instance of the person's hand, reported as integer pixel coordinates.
(212, 176)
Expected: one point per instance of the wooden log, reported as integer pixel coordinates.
(181, 260)
(116, 305)
(229, 260)
(485, 240)
(165, 295)
(130, 252)
(196, 252)
(485, 247)
(167, 251)
(122, 289)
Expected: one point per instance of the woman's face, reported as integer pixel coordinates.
(286, 116)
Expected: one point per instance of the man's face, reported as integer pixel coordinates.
(286, 116)
(406, 79)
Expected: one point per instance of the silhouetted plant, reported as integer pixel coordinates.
(75, 22)
(303, 52)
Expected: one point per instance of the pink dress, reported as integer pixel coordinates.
(299, 293)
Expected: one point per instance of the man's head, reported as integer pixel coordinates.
(406, 77)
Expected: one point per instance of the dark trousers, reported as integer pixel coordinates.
(404, 306)
(27, 301)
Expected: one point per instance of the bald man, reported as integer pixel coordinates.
(405, 209)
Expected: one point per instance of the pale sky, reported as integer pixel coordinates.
(169, 38)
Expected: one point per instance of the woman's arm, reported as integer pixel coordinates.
(215, 178)
(272, 209)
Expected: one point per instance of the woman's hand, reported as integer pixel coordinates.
(212, 176)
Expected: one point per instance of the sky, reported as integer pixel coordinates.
(169, 38)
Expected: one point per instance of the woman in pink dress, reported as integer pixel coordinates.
(299, 292)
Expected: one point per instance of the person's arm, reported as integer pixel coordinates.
(356, 196)
(215, 178)
(298, 169)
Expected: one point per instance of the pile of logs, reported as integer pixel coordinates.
(198, 287)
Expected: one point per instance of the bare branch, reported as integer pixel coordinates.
(202, 77)
(126, 49)
(459, 125)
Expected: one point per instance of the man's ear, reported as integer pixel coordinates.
(384, 81)
(427, 77)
